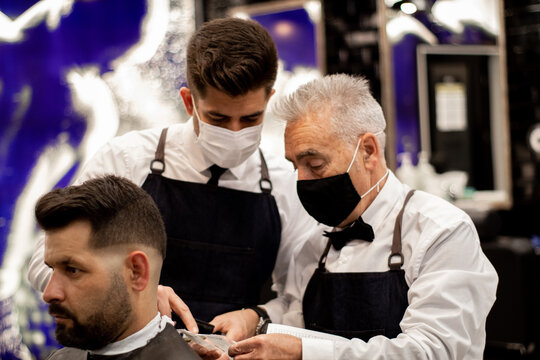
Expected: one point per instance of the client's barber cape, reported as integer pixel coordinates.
(166, 345)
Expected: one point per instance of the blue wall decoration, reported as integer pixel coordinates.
(288, 29)
(37, 113)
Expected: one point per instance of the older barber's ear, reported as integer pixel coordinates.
(187, 98)
(371, 151)
(138, 267)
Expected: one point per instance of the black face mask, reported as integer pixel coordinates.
(328, 200)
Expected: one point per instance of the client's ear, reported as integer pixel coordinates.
(138, 267)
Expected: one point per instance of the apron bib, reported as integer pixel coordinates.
(222, 243)
(359, 305)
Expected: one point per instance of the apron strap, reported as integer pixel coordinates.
(157, 166)
(265, 183)
(322, 260)
(396, 241)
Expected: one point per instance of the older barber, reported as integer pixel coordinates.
(402, 275)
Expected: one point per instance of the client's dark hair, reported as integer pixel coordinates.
(119, 212)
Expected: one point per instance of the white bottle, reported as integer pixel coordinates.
(426, 175)
(406, 173)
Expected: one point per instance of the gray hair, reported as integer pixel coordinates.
(345, 99)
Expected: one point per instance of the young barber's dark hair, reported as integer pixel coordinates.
(119, 212)
(232, 55)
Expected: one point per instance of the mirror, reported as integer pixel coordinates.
(445, 97)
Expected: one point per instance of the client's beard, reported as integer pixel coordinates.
(109, 317)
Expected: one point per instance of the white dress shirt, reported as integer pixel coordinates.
(130, 156)
(452, 284)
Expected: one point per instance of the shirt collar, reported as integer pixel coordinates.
(138, 339)
(379, 210)
(201, 163)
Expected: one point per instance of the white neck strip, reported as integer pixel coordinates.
(138, 339)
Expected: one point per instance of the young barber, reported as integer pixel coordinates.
(231, 212)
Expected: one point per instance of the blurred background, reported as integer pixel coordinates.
(457, 79)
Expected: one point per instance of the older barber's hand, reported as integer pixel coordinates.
(271, 346)
(168, 301)
(237, 325)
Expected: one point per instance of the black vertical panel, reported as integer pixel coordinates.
(512, 330)
(522, 25)
(467, 150)
(352, 46)
(523, 53)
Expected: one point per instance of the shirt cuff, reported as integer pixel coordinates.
(315, 349)
(274, 308)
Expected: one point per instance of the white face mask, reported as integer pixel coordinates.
(224, 147)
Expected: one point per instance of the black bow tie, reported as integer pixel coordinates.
(358, 230)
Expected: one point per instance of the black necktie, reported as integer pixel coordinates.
(216, 173)
(358, 230)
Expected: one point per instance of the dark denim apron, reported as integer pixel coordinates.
(222, 243)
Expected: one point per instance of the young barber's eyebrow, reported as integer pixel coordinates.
(217, 114)
(255, 114)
